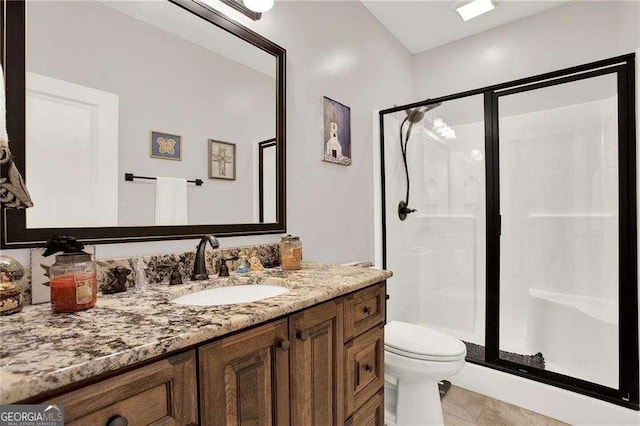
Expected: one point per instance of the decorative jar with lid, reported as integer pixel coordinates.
(73, 278)
(73, 283)
(290, 253)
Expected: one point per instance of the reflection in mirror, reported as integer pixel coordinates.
(142, 91)
(267, 181)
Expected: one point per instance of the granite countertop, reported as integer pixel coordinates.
(41, 351)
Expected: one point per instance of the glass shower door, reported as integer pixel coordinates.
(558, 155)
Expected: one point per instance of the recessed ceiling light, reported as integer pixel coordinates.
(475, 8)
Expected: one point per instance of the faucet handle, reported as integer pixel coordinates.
(175, 277)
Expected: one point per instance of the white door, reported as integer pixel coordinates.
(72, 154)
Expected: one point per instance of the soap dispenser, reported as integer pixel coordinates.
(141, 274)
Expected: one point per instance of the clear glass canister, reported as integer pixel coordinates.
(74, 285)
(290, 253)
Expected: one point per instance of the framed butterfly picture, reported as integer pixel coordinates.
(165, 146)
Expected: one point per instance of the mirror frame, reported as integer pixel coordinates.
(15, 234)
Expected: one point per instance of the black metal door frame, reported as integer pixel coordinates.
(624, 68)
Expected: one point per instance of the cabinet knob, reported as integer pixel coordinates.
(387, 297)
(117, 421)
(368, 368)
(302, 335)
(284, 344)
(366, 310)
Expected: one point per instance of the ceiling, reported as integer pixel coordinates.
(172, 19)
(424, 24)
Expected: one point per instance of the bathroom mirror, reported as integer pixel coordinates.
(165, 119)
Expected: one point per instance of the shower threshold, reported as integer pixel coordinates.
(476, 353)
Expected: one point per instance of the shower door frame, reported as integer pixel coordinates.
(623, 67)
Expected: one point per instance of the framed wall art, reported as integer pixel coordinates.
(222, 160)
(165, 146)
(336, 132)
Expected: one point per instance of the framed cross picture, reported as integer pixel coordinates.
(222, 160)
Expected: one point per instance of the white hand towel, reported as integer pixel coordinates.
(171, 201)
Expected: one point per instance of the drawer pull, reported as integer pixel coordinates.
(302, 335)
(366, 310)
(117, 421)
(284, 344)
(368, 368)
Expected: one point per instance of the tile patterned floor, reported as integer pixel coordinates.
(465, 408)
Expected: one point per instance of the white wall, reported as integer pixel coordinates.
(340, 50)
(572, 34)
(337, 49)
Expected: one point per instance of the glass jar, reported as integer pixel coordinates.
(74, 284)
(290, 253)
(11, 277)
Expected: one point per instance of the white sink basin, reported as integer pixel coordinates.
(230, 295)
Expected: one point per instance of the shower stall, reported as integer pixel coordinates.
(509, 220)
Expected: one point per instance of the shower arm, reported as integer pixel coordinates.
(403, 206)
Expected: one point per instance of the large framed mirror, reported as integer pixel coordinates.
(141, 121)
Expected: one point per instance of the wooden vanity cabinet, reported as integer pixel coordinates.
(317, 383)
(161, 393)
(323, 365)
(363, 353)
(244, 379)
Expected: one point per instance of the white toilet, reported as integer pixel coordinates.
(416, 358)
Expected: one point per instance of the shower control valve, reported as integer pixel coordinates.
(404, 210)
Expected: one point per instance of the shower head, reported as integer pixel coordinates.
(416, 115)
(413, 116)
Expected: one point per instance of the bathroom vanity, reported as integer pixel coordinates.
(314, 355)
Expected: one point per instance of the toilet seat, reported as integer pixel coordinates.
(422, 343)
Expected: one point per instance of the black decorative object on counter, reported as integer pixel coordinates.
(63, 243)
(118, 280)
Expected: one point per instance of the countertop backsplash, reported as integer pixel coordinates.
(269, 255)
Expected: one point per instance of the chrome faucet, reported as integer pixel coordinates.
(199, 265)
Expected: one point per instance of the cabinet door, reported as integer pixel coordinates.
(244, 379)
(162, 393)
(317, 392)
(370, 414)
(364, 368)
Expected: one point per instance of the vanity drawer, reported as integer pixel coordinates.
(363, 310)
(364, 365)
(162, 393)
(370, 414)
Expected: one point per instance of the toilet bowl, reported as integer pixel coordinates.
(416, 358)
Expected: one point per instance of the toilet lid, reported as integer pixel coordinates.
(421, 342)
